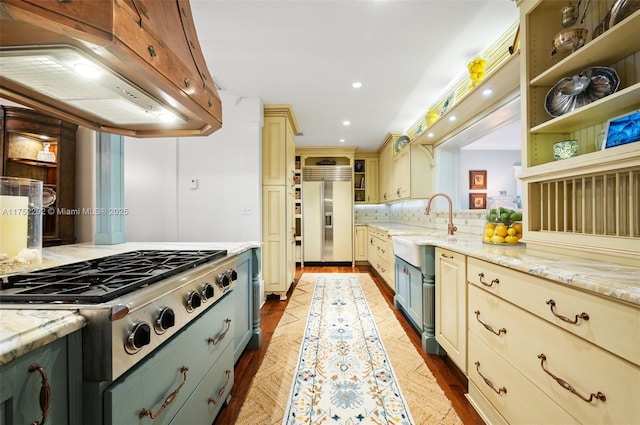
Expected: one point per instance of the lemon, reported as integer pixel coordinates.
(501, 230)
(489, 232)
(486, 239)
(511, 239)
(511, 231)
(518, 227)
(490, 226)
(497, 239)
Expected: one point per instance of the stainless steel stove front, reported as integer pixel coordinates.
(116, 338)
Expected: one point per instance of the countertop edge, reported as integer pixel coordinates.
(610, 280)
(44, 327)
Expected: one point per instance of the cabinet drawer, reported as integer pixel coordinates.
(150, 384)
(20, 386)
(210, 395)
(586, 367)
(522, 403)
(611, 325)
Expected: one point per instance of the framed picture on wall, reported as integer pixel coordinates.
(477, 201)
(477, 179)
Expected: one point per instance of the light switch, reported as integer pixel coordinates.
(193, 184)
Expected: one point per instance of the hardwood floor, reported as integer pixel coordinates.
(448, 376)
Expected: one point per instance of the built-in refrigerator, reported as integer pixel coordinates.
(327, 213)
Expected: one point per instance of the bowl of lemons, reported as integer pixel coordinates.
(503, 226)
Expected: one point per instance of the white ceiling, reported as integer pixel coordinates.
(307, 53)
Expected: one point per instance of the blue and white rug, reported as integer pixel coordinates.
(344, 375)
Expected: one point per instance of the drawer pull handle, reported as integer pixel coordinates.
(481, 276)
(488, 327)
(45, 393)
(220, 337)
(564, 384)
(167, 401)
(488, 382)
(222, 390)
(583, 316)
(446, 256)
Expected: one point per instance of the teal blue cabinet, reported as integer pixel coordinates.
(54, 369)
(243, 304)
(409, 291)
(210, 395)
(170, 376)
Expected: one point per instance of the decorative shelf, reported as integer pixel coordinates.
(596, 112)
(620, 157)
(600, 51)
(504, 82)
(34, 162)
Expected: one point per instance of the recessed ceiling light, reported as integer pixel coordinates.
(341, 140)
(356, 85)
(487, 92)
(452, 118)
(430, 134)
(346, 122)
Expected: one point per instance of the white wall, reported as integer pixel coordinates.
(226, 206)
(499, 166)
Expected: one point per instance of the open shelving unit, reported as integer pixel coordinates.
(588, 203)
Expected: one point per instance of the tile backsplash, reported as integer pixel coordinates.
(411, 213)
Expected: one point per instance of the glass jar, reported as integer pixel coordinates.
(20, 225)
(503, 222)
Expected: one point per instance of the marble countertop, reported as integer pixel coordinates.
(620, 282)
(65, 254)
(24, 330)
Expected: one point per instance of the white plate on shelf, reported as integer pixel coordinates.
(48, 196)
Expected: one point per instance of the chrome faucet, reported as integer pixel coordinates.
(450, 226)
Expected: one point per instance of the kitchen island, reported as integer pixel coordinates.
(229, 325)
(24, 330)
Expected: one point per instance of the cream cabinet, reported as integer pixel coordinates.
(380, 254)
(278, 198)
(544, 353)
(404, 174)
(361, 243)
(278, 145)
(451, 305)
(587, 203)
(365, 179)
(384, 173)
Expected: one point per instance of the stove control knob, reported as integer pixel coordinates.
(138, 336)
(166, 319)
(233, 275)
(223, 280)
(193, 301)
(207, 291)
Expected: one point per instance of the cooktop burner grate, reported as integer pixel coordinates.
(101, 279)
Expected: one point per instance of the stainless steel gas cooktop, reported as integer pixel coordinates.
(101, 279)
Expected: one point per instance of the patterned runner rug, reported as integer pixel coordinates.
(270, 388)
(344, 375)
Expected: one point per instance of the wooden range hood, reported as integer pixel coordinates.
(147, 53)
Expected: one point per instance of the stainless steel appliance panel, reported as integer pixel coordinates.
(327, 203)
